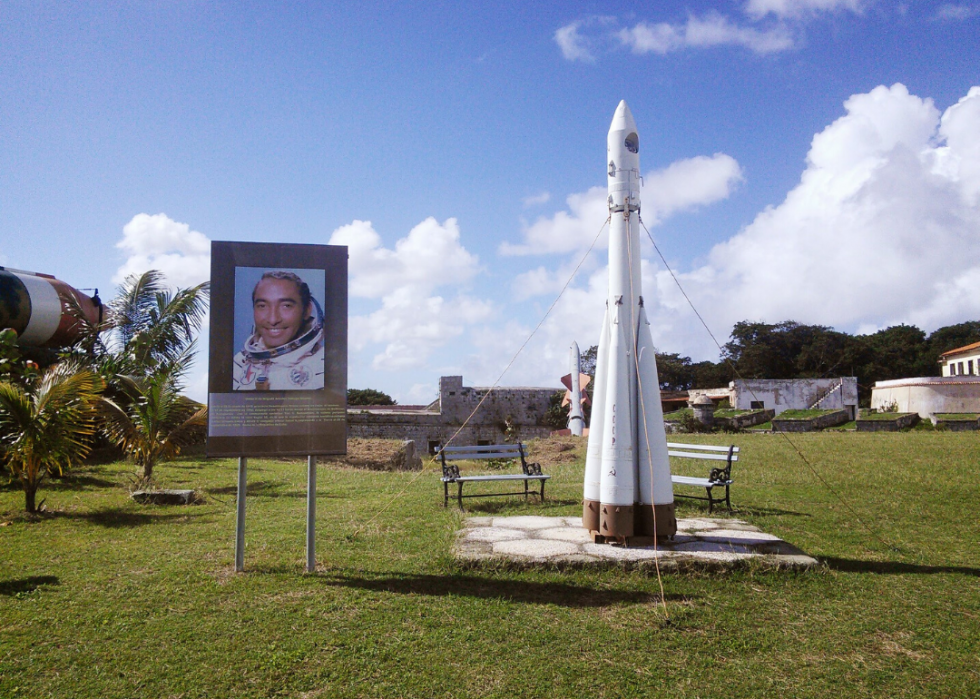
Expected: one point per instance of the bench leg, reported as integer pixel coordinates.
(711, 503)
(445, 494)
(525, 491)
(542, 491)
(728, 502)
(460, 494)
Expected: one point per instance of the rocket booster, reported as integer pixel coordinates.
(39, 308)
(627, 490)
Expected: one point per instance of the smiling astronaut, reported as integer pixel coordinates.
(285, 350)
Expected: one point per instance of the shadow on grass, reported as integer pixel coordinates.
(118, 518)
(762, 512)
(852, 565)
(265, 489)
(511, 590)
(26, 585)
(77, 482)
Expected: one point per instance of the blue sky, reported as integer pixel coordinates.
(815, 160)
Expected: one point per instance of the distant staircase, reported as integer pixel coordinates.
(815, 405)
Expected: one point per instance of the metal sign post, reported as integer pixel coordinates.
(310, 514)
(240, 528)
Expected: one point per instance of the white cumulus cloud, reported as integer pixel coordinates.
(683, 185)
(537, 199)
(883, 228)
(799, 8)
(709, 31)
(158, 242)
(414, 318)
(574, 46)
(763, 27)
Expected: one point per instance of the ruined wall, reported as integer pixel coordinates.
(508, 414)
(796, 394)
(521, 405)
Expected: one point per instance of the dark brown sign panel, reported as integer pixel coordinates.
(277, 381)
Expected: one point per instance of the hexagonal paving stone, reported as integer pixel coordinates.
(712, 547)
(573, 534)
(493, 534)
(528, 522)
(620, 553)
(535, 548)
(739, 536)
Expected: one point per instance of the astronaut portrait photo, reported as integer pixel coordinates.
(279, 333)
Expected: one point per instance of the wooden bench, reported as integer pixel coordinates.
(718, 476)
(450, 470)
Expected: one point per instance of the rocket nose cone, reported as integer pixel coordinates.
(623, 118)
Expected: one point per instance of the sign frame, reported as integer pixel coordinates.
(306, 417)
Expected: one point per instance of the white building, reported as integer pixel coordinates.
(928, 395)
(962, 361)
(788, 394)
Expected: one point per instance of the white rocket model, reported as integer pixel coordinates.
(628, 492)
(576, 420)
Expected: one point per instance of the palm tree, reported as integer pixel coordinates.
(142, 350)
(151, 421)
(149, 327)
(46, 423)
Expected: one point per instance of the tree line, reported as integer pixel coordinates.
(791, 350)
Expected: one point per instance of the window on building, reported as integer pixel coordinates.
(433, 445)
(961, 368)
(757, 405)
(969, 367)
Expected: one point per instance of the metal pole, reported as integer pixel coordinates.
(240, 528)
(310, 514)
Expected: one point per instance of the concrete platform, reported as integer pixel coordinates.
(562, 542)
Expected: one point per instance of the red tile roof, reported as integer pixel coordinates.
(961, 350)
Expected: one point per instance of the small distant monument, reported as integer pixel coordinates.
(575, 396)
(704, 410)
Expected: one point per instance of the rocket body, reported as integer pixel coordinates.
(39, 308)
(627, 489)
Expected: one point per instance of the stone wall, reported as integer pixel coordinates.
(508, 414)
(796, 394)
(820, 422)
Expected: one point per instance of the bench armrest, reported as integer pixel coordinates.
(720, 475)
(533, 469)
(450, 470)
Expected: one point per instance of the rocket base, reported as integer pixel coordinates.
(616, 521)
(590, 515)
(655, 521)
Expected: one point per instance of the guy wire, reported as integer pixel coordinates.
(785, 436)
(432, 458)
(639, 410)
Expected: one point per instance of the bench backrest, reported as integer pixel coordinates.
(448, 455)
(727, 454)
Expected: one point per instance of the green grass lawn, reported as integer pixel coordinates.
(106, 598)
(886, 417)
(795, 414)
